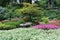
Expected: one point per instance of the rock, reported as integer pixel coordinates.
(27, 24)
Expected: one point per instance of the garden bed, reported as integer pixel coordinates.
(46, 26)
(33, 34)
(54, 24)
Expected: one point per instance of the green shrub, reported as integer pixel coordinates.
(57, 3)
(45, 20)
(30, 11)
(10, 12)
(10, 24)
(6, 27)
(2, 13)
(4, 2)
(42, 3)
(15, 23)
(7, 12)
(52, 14)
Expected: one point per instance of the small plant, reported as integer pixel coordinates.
(45, 20)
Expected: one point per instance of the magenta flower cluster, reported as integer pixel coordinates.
(55, 21)
(47, 26)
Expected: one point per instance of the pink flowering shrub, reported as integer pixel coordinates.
(46, 26)
(53, 25)
(56, 22)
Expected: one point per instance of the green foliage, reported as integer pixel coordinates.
(58, 2)
(42, 3)
(45, 4)
(10, 12)
(30, 12)
(33, 34)
(10, 24)
(2, 13)
(52, 14)
(14, 23)
(4, 2)
(6, 27)
(45, 20)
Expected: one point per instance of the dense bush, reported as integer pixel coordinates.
(46, 26)
(10, 12)
(10, 24)
(52, 14)
(7, 12)
(49, 4)
(2, 13)
(57, 3)
(14, 23)
(56, 22)
(6, 27)
(44, 20)
(30, 12)
(42, 3)
(4, 2)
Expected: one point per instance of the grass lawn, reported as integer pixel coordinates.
(29, 34)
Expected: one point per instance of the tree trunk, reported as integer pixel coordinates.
(50, 3)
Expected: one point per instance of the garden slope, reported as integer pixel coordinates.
(30, 34)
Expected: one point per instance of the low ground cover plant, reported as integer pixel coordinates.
(33, 34)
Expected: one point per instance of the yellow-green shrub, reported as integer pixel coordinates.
(30, 11)
(6, 27)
